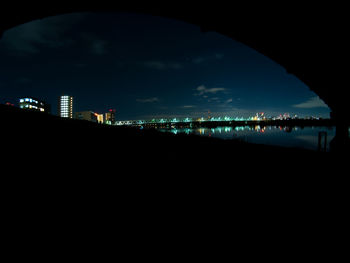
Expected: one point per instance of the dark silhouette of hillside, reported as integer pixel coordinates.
(61, 175)
(45, 153)
(34, 135)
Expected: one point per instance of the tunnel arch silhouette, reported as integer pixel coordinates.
(299, 38)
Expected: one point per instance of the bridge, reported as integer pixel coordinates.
(176, 121)
(224, 121)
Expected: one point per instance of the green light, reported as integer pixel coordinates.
(187, 131)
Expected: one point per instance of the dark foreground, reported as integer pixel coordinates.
(36, 138)
(60, 150)
(75, 180)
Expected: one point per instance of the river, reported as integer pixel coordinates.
(306, 137)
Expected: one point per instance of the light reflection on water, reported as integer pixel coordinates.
(306, 137)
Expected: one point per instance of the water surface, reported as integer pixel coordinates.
(301, 137)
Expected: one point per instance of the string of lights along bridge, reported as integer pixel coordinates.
(259, 117)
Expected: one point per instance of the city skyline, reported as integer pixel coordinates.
(146, 67)
(65, 102)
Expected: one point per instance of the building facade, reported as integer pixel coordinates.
(65, 106)
(100, 118)
(86, 115)
(110, 116)
(34, 104)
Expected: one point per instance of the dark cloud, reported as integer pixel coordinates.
(161, 65)
(29, 38)
(314, 102)
(188, 106)
(148, 100)
(99, 47)
(204, 91)
(202, 59)
(95, 44)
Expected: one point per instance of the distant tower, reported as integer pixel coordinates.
(65, 106)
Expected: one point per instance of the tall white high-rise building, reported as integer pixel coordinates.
(65, 106)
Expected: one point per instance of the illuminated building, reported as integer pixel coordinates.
(259, 116)
(286, 116)
(34, 104)
(65, 106)
(86, 115)
(110, 116)
(99, 118)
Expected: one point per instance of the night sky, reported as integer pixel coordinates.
(145, 67)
